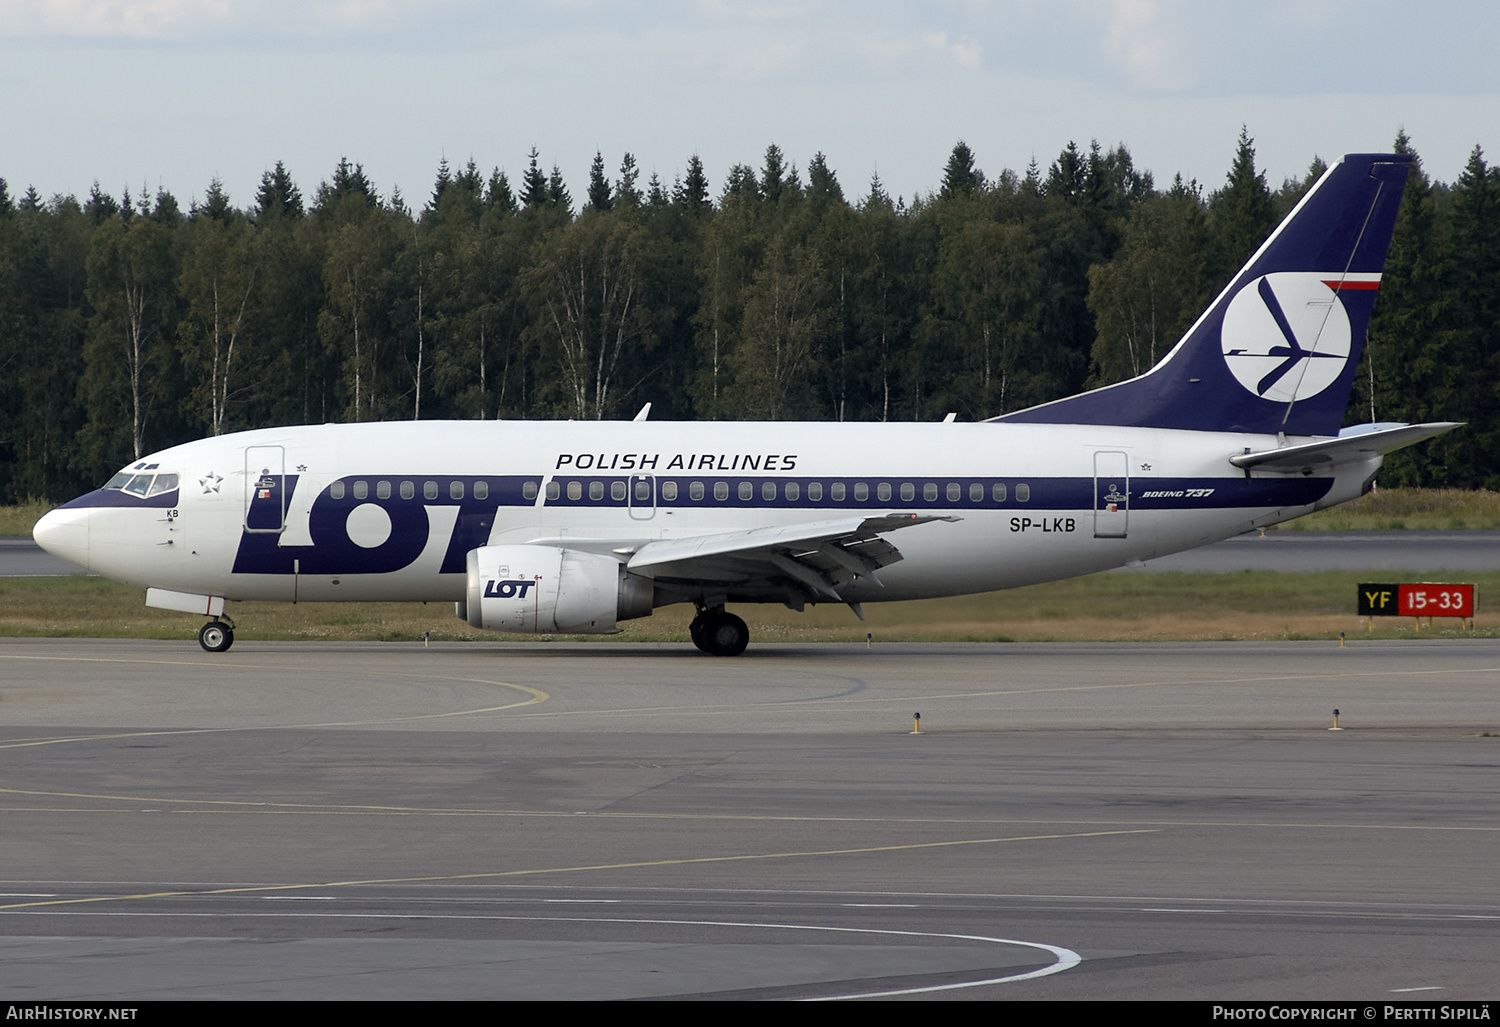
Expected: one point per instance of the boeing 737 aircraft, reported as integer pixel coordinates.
(572, 527)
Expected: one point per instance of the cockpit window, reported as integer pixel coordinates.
(163, 483)
(142, 484)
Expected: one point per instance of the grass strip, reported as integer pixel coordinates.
(1175, 606)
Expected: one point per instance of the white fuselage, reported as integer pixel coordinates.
(386, 511)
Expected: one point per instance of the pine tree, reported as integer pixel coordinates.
(772, 176)
(497, 195)
(100, 205)
(278, 196)
(599, 194)
(557, 192)
(1242, 210)
(1067, 176)
(627, 194)
(691, 194)
(960, 177)
(823, 189)
(1471, 319)
(444, 180)
(533, 183)
(656, 196)
(215, 202)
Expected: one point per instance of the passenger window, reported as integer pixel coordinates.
(482, 490)
(956, 492)
(976, 493)
(455, 490)
(361, 490)
(669, 491)
(883, 492)
(747, 490)
(429, 489)
(768, 491)
(793, 491)
(596, 490)
(408, 490)
(575, 490)
(1023, 493)
(861, 492)
(382, 490)
(554, 490)
(643, 491)
(617, 491)
(695, 491)
(721, 490)
(998, 492)
(815, 491)
(836, 491)
(908, 492)
(336, 490)
(163, 483)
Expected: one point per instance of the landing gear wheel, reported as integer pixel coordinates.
(216, 636)
(724, 634)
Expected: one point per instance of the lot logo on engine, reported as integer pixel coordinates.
(507, 589)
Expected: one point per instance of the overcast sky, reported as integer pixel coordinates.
(172, 93)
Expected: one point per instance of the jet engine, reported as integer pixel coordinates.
(551, 590)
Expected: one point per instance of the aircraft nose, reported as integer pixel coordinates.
(65, 533)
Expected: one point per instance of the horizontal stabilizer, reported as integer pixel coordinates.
(1344, 449)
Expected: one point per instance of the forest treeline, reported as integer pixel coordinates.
(129, 324)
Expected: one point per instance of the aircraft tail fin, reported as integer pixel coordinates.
(1277, 351)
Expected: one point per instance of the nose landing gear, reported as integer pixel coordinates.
(217, 635)
(719, 633)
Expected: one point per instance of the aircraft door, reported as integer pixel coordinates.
(642, 497)
(1111, 494)
(265, 489)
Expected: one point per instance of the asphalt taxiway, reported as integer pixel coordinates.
(382, 821)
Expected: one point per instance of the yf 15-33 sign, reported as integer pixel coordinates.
(1423, 599)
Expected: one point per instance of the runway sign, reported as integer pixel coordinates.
(1424, 599)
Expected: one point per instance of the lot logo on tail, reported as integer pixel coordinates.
(1286, 336)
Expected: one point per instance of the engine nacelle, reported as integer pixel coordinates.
(550, 590)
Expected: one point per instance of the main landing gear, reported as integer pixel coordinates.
(719, 633)
(217, 635)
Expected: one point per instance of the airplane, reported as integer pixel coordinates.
(572, 527)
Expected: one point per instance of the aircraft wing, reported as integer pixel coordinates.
(1343, 449)
(818, 556)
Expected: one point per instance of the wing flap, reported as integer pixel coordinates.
(817, 556)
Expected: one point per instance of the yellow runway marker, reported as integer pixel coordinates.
(491, 875)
